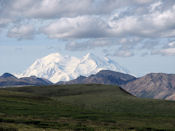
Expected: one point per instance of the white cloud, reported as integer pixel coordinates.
(22, 32)
(164, 20)
(64, 8)
(4, 21)
(124, 26)
(152, 24)
(171, 44)
(123, 53)
(76, 20)
(78, 27)
(143, 1)
(89, 44)
(59, 8)
(155, 5)
(169, 51)
(126, 43)
(165, 52)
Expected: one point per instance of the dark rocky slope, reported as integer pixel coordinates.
(8, 79)
(103, 77)
(153, 85)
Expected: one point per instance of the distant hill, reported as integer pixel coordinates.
(153, 85)
(103, 77)
(8, 79)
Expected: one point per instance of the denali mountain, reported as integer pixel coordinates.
(56, 67)
(9, 80)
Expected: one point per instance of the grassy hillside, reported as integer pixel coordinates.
(82, 107)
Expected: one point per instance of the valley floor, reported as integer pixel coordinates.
(82, 107)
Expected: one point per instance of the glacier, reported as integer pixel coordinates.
(56, 67)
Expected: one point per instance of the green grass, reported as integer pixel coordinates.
(82, 107)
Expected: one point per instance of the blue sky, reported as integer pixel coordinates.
(138, 34)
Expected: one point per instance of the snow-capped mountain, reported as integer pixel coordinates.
(56, 67)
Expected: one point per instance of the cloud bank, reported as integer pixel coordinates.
(128, 25)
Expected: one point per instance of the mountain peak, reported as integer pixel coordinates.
(56, 67)
(49, 60)
(53, 55)
(98, 60)
(7, 75)
(56, 54)
(89, 56)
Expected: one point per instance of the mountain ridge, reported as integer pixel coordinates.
(153, 85)
(102, 77)
(8, 79)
